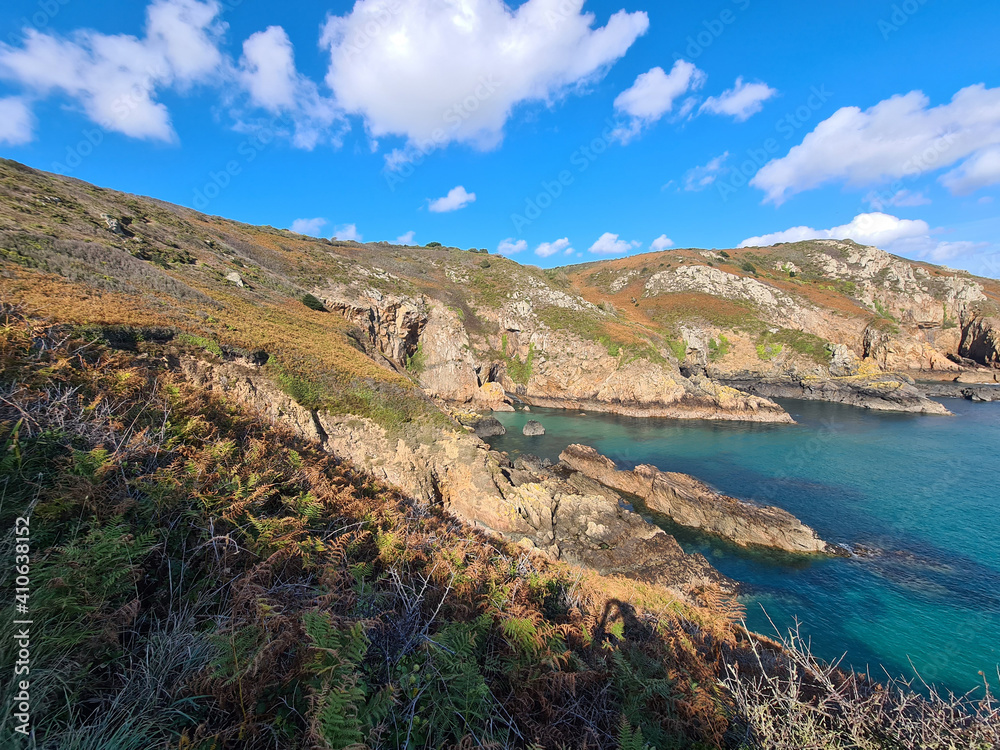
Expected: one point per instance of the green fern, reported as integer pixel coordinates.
(629, 738)
(340, 716)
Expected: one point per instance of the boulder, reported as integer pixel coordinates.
(533, 429)
(235, 278)
(489, 427)
(492, 396)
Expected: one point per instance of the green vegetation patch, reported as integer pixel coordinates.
(807, 344)
(718, 349)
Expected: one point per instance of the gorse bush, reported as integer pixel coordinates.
(313, 303)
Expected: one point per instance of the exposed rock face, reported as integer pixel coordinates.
(447, 365)
(533, 429)
(878, 392)
(558, 512)
(981, 341)
(392, 324)
(692, 503)
(236, 279)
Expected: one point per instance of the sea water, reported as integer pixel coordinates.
(922, 491)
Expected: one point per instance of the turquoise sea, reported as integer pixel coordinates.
(924, 490)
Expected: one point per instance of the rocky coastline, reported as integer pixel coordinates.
(888, 392)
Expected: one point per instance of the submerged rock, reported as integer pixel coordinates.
(692, 503)
(533, 429)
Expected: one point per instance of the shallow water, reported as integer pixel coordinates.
(924, 489)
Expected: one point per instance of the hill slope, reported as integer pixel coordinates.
(202, 577)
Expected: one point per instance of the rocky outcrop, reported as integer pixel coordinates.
(878, 392)
(974, 392)
(558, 512)
(391, 324)
(692, 503)
(533, 429)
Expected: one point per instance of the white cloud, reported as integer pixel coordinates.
(17, 123)
(551, 248)
(899, 137)
(438, 72)
(653, 95)
(912, 238)
(700, 178)
(115, 78)
(609, 244)
(510, 246)
(308, 227)
(347, 232)
(979, 171)
(879, 201)
(740, 102)
(406, 239)
(661, 243)
(456, 199)
(267, 72)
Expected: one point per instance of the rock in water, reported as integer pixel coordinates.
(692, 503)
(489, 427)
(533, 429)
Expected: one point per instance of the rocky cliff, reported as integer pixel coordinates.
(562, 514)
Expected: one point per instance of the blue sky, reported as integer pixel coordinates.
(557, 130)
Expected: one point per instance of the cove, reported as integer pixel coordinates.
(922, 490)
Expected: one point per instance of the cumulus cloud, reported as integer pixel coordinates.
(912, 238)
(653, 95)
(609, 244)
(17, 124)
(456, 199)
(902, 136)
(661, 243)
(308, 227)
(347, 232)
(439, 72)
(406, 239)
(267, 71)
(740, 102)
(510, 246)
(551, 248)
(700, 178)
(115, 79)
